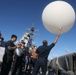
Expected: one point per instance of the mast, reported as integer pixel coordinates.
(28, 37)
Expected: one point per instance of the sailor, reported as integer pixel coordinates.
(2, 42)
(7, 58)
(25, 54)
(34, 56)
(43, 52)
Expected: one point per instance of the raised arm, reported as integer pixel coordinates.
(55, 41)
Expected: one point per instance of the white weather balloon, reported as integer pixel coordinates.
(58, 17)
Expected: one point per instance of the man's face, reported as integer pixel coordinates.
(23, 45)
(19, 45)
(14, 39)
(47, 43)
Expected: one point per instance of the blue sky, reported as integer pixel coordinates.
(17, 15)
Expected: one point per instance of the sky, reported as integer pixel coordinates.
(18, 15)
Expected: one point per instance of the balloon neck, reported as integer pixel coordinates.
(60, 29)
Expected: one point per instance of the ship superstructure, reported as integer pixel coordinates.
(28, 37)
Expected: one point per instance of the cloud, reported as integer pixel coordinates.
(68, 51)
